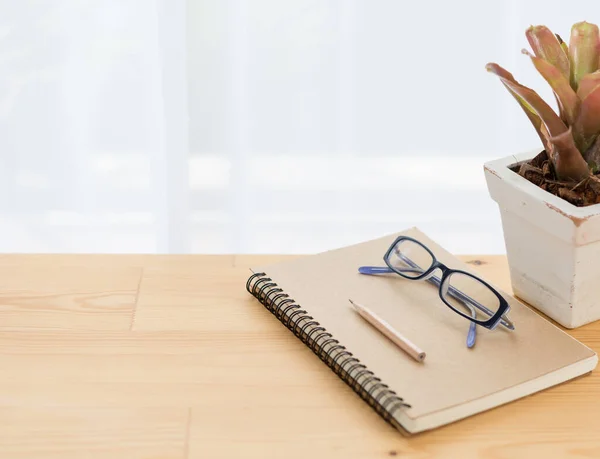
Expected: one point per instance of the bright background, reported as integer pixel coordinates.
(259, 126)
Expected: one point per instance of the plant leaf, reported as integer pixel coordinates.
(592, 155)
(568, 162)
(565, 48)
(529, 111)
(567, 98)
(588, 120)
(531, 102)
(584, 126)
(583, 51)
(588, 83)
(546, 45)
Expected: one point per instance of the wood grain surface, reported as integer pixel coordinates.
(168, 357)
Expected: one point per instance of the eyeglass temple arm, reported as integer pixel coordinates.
(461, 296)
(382, 270)
(436, 281)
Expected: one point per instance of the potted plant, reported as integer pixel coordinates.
(549, 197)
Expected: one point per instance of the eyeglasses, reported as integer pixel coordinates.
(464, 293)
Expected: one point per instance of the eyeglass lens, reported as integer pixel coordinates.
(461, 292)
(410, 258)
(469, 296)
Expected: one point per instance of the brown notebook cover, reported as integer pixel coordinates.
(310, 296)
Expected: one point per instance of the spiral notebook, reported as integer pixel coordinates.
(309, 295)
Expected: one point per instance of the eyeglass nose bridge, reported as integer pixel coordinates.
(437, 265)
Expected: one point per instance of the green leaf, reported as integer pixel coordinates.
(562, 43)
(584, 48)
(531, 102)
(546, 45)
(567, 98)
(565, 49)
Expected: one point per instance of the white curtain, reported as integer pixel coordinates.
(258, 126)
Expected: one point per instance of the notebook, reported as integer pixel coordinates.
(309, 295)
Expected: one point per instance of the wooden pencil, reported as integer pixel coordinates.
(388, 331)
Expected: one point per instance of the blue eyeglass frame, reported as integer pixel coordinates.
(495, 318)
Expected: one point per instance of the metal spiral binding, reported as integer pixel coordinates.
(379, 396)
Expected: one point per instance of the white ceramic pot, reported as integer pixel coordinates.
(553, 247)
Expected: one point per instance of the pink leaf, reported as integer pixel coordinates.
(588, 83)
(588, 121)
(566, 97)
(530, 101)
(547, 46)
(568, 162)
(584, 47)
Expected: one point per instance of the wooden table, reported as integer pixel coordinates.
(167, 357)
